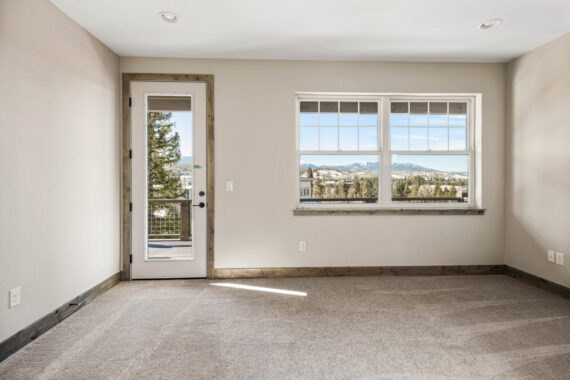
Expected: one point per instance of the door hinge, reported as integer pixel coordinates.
(130, 101)
(130, 206)
(130, 153)
(131, 259)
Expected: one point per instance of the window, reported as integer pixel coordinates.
(338, 151)
(385, 151)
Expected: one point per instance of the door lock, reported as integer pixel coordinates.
(201, 205)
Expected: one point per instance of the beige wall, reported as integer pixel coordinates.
(537, 187)
(59, 160)
(255, 147)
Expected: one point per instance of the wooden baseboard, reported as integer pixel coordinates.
(31, 332)
(539, 282)
(436, 270)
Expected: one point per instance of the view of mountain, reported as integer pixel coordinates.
(372, 166)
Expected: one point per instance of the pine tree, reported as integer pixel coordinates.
(310, 173)
(163, 154)
(340, 190)
(354, 190)
(329, 191)
(317, 188)
(366, 188)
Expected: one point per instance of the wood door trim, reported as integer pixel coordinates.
(126, 243)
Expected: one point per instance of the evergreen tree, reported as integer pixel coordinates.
(310, 173)
(354, 190)
(317, 188)
(163, 154)
(329, 191)
(453, 192)
(366, 188)
(340, 190)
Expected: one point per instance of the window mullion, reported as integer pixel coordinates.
(385, 170)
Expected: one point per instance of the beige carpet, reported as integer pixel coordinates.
(358, 327)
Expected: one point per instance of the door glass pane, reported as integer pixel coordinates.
(169, 177)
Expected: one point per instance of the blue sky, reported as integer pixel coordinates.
(335, 160)
(183, 126)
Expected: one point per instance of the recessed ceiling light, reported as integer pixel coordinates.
(488, 24)
(168, 16)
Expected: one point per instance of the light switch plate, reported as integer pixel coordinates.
(559, 258)
(15, 297)
(229, 185)
(302, 246)
(550, 256)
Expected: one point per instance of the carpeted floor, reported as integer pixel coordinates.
(347, 327)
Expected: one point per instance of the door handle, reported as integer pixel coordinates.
(201, 205)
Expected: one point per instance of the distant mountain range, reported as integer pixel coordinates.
(373, 166)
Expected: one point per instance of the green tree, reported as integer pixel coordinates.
(318, 189)
(310, 173)
(354, 190)
(340, 190)
(453, 192)
(366, 188)
(163, 154)
(329, 191)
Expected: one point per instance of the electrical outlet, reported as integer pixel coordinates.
(15, 297)
(550, 256)
(559, 258)
(302, 246)
(229, 185)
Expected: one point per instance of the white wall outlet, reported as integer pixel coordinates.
(229, 185)
(550, 256)
(559, 258)
(302, 246)
(15, 297)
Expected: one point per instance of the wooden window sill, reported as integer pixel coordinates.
(390, 211)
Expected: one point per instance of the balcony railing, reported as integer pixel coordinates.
(169, 219)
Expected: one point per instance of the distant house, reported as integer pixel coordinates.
(306, 187)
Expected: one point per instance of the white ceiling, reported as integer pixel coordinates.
(402, 30)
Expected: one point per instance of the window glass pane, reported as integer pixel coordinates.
(349, 119)
(331, 107)
(399, 120)
(438, 138)
(438, 107)
(458, 120)
(349, 107)
(399, 138)
(368, 139)
(329, 138)
(418, 139)
(419, 120)
(457, 138)
(329, 119)
(368, 120)
(369, 107)
(430, 178)
(309, 138)
(399, 107)
(309, 107)
(437, 120)
(349, 138)
(457, 108)
(418, 107)
(309, 119)
(330, 179)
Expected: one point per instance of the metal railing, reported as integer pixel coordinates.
(169, 219)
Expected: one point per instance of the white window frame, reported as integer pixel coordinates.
(384, 153)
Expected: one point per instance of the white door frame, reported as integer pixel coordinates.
(127, 222)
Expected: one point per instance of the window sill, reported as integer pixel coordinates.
(390, 211)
